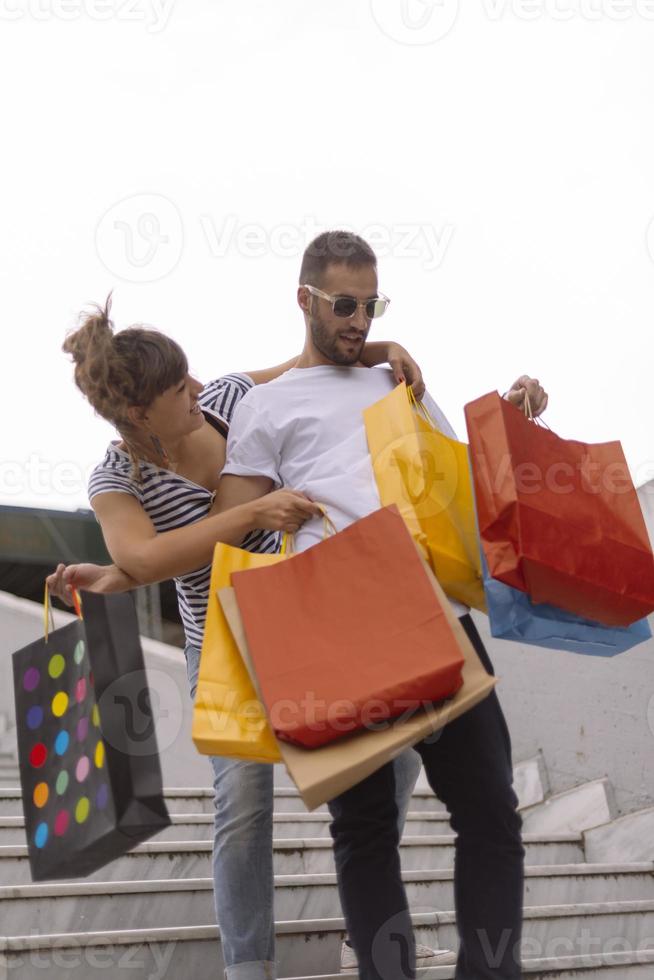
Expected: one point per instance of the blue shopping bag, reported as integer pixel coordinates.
(513, 616)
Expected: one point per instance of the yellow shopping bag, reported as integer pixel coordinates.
(427, 475)
(228, 718)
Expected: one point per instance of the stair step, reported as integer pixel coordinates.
(181, 799)
(575, 810)
(300, 944)
(199, 800)
(166, 859)
(627, 965)
(629, 838)
(90, 905)
(573, 929)
(199, 826)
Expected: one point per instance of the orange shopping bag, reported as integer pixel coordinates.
(559, 519)
(348, 632)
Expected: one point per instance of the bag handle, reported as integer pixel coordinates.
(328, 526)
(48, 616)
(530, 415)
(288, 544)
(420, 407)
(328, 530)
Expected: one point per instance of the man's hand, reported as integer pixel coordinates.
(405, 369)
(530, 386)
(92, 578)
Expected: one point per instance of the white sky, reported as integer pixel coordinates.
(505, 168)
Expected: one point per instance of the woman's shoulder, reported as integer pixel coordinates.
(223, 395)
(114, 474)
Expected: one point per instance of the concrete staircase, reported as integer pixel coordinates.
(151, 912)
(8, 760)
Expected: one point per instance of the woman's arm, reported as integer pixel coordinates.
(269, 374)
(92, 578)
(402, 364)
(142, 556)
(148, 556)
(374, 352)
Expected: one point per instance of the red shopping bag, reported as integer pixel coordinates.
(348, 633)
(559, 519)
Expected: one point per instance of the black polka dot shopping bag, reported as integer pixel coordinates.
(89, 765)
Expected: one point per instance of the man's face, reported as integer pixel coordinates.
(341, 339)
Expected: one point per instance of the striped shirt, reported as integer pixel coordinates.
(172, 501)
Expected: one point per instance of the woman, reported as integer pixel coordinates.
(161, 476)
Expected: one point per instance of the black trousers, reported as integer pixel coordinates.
(468, 765)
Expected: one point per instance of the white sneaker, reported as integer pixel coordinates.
(425, 956)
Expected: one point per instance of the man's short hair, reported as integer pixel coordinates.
(334, 248)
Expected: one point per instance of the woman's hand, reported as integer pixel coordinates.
(92, 578)
(284, 510)
(402, 364)
(406, 369)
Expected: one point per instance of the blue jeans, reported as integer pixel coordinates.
(243, 878)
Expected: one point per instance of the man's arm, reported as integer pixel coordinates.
(252, 467)
(252, 461)
(234, 490)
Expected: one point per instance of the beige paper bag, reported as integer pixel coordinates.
(323, 773)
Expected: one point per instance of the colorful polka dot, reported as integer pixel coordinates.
(102, 797)
(62, 782)
(41, 795)
(99, 755)
(56, 666)
(38, 755)
(80, 689)
(61, 823)
(62, 742)
(82, 729)
(82, 809)
(41, 835)
(78, 655)
(59, 704)
(82, 769)
(95, 716)
(34, 716)
(31, 679)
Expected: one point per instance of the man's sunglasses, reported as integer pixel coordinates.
(346, 306)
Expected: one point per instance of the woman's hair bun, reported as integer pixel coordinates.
(89, 343)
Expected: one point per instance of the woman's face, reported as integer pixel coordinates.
(176, 412)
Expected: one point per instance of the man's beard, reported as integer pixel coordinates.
(328, 344)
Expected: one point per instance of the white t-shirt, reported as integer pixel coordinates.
(305, 431)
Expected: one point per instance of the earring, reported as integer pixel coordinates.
(158, 448)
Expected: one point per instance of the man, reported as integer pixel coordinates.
(306, 430)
